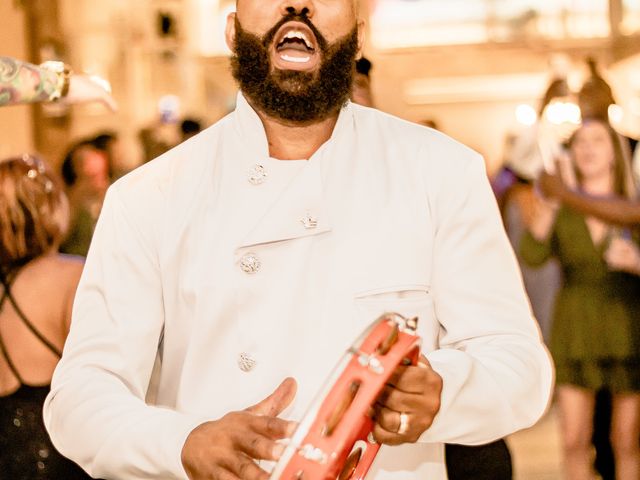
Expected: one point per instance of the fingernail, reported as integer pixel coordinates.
(278, 450)
(291, 428)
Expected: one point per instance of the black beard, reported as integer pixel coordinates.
(290, 95)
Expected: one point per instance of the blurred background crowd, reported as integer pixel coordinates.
(548, 92)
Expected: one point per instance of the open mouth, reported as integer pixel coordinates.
(296, 47)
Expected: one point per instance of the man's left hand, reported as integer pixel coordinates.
(408, 404)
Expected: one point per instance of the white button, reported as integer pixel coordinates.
(250, 263)
(246, 362)
(257, 175)
(309, 222)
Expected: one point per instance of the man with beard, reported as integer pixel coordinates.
(253, 254)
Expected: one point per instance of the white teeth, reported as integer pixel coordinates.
(295, 59)
(300, 36)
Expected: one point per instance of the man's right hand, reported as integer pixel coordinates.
(225, 449)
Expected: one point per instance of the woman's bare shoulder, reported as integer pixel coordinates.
(49, 280)
(65, 268)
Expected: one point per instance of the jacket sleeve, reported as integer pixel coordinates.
(497, 374)
(95, 413)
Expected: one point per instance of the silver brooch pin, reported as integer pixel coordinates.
(246, 362)
(257, 175)
(309, 222)
(250, 263)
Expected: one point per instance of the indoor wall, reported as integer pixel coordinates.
(471, 91)
(15, 122)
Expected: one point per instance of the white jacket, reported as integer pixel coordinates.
(398, 218)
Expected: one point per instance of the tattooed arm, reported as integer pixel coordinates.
(22, 82)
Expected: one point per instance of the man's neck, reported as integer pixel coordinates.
(288, 141)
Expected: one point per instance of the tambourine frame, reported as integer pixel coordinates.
(331, 430)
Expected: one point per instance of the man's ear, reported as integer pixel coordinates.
(230, 31)
(361, 37)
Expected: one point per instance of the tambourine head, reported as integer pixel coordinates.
(334, 440)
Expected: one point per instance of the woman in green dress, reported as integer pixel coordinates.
(595, 336)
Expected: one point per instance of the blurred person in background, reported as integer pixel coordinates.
(157, 139)
(527, 152)
(162, 134)
(361, 91)
(595, 337)
(22, 82)
(110, 143)
(619, 211)
(37, 289)
(515, 192)
(86, 174)
(189, 127)
(595, 98)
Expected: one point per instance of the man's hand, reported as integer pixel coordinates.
(87, 89)
(551, 185)
(225, 449)
(623, 255)
(408, 404)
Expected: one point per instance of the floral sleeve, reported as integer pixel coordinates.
(22, 82)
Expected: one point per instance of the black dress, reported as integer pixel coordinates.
(26, 451)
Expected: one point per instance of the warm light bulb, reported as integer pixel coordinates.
(560, 113)
(526, 115)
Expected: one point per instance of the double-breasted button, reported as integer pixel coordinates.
(257, 175)
(250, 263)
(309, 222)
(246, 362)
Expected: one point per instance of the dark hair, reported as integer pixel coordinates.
(363, 66)
(556, 89)
(102, 140)
(68, 169)
(190, 126)
(596, 95)
(595, 83)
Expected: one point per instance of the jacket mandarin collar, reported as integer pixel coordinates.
(302, 197)
(250, 130)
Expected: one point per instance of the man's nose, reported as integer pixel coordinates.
(299, 7)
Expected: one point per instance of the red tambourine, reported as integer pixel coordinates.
(334, 440)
